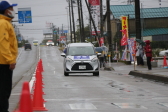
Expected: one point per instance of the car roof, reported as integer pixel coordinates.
(79, 44)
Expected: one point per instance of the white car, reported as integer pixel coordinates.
(50, 43)
(81, 58)
(163, 53)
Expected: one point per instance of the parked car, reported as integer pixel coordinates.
(81, 58)
(27, 46)
(163, 53)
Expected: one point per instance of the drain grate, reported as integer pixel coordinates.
(129, 106)
(82, 106)
(163, 104)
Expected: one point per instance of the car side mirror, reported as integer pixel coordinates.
(63, 54)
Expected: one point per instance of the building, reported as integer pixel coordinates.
(154, 22)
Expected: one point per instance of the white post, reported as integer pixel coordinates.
(109, 62)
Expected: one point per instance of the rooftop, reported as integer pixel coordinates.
(125, 10)
(153, 31)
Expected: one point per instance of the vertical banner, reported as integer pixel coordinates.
(95, 11)
(101, 41)
(131, 48)
(125, 23)
(124, 20)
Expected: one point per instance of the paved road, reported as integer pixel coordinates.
(111, 91)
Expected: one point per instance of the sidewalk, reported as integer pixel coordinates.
(157, 73)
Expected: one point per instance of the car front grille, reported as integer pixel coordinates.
(76, 66)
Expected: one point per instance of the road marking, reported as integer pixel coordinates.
(82, 106)
(129, 106)
(163, 104)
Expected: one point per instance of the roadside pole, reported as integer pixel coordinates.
(109, 33)
(109, 56)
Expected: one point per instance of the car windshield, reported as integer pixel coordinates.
(35, 41)
(84, 50)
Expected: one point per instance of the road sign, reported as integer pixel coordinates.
(24, 15)
(64, 31)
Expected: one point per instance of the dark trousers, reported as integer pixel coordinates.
(5, 87)
(138, 60)
(141, 62)
(101, 61)
(149, 63)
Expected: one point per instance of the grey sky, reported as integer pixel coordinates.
(54, 11)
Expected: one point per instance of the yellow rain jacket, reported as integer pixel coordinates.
(8, 41)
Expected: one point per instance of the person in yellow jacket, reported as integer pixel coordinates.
(8, 52)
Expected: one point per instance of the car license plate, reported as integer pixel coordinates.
(82, 66)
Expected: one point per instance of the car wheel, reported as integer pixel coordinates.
(96, 74)
(66, 74)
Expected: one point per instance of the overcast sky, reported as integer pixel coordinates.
(54, 11)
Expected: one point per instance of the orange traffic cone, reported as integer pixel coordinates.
(41, 65)
(165, 62)
(25, 104)
(38, 97)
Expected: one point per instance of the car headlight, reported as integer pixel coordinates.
(95, 59)
(69, 60)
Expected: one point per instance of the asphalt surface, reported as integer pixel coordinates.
(67, 90)
(158, 73)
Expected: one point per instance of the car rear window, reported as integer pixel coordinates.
(27, 44)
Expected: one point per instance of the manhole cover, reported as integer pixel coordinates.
(129, 106)
(82, 106)
(163, 104)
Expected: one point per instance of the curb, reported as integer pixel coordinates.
(156, 77)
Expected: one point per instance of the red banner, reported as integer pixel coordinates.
(101, 41)
(94, 2)
(124, 38)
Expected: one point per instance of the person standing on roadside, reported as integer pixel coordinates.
(148, 52)
(8, 52)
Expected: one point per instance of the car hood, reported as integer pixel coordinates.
(84, 58)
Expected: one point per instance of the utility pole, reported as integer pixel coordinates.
(62, 34)
(82, 22)
(79, 15)
(58, 37)
(73, 21)
(137, 19)
(101, 18)
(70, 20)
(92, 20)
(109, 28)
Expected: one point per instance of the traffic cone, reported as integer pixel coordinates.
(25, 104)
(38, 97)
(165, 62)
(26, 86)
(41, 65)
